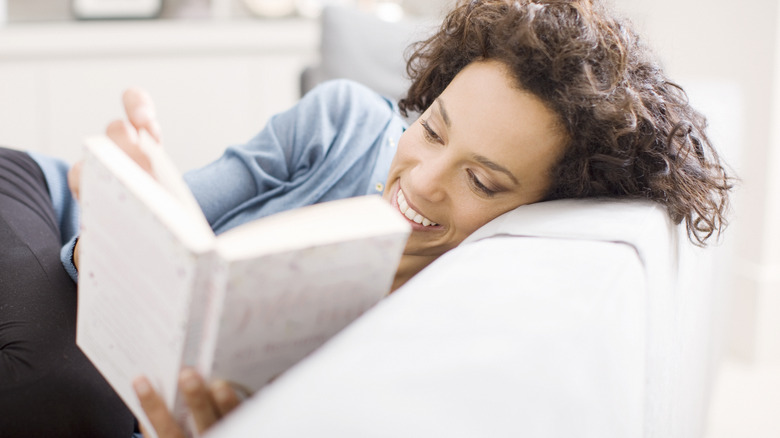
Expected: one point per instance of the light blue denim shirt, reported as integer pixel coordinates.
(337, 142)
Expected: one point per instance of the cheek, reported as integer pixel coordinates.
(469, 214)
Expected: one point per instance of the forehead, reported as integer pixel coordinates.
(490, 115)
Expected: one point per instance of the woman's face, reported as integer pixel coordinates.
(483, 148)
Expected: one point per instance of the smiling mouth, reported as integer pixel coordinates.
(409, 212)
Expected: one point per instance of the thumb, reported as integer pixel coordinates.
(141, 112)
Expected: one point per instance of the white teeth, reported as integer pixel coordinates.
(412, 215)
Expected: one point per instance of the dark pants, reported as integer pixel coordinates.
(48, 388)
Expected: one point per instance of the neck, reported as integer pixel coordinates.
(409, 267)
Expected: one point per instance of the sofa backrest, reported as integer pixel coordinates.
(359, 46)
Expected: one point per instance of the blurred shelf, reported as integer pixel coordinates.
(20, 41)
(215, 81)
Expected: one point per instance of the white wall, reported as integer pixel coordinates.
(768, 314)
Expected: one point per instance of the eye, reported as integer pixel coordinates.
(429, 133)
(477, 184)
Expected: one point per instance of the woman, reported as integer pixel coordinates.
(521, 101)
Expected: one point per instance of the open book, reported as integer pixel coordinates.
(159, 291)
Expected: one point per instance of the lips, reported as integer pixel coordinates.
(410, 213)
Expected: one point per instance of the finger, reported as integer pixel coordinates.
(77, 253)
(141, 111)
(156, 411)
(74, 179)
(225, 397)
(198, 398)
(123, 134)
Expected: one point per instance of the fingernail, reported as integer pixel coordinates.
(142, 387)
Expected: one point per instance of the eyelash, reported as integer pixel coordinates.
(479, 186)
(432, 137)
(430, 134)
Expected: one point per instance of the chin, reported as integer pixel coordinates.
(414, 247)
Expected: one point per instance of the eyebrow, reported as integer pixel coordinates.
(443, 112)
(494, 166)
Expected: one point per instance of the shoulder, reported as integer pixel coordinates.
(343, 97)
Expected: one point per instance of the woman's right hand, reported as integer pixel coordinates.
(207, 403)
(141, 115)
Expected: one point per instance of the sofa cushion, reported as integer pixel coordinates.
(359, 46)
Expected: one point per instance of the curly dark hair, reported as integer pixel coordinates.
(632, 132)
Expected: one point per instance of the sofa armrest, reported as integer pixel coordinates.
(506, 336)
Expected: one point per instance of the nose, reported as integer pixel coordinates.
(429, 178)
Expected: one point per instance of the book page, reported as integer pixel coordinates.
(136, 274)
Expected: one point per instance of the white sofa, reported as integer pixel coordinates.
(586, 318)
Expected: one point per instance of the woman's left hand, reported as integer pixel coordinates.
(207, 403)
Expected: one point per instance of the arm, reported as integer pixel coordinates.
(297, 159)
(323, 148)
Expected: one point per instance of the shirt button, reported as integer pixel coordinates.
(379, 187)
(391, 142)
